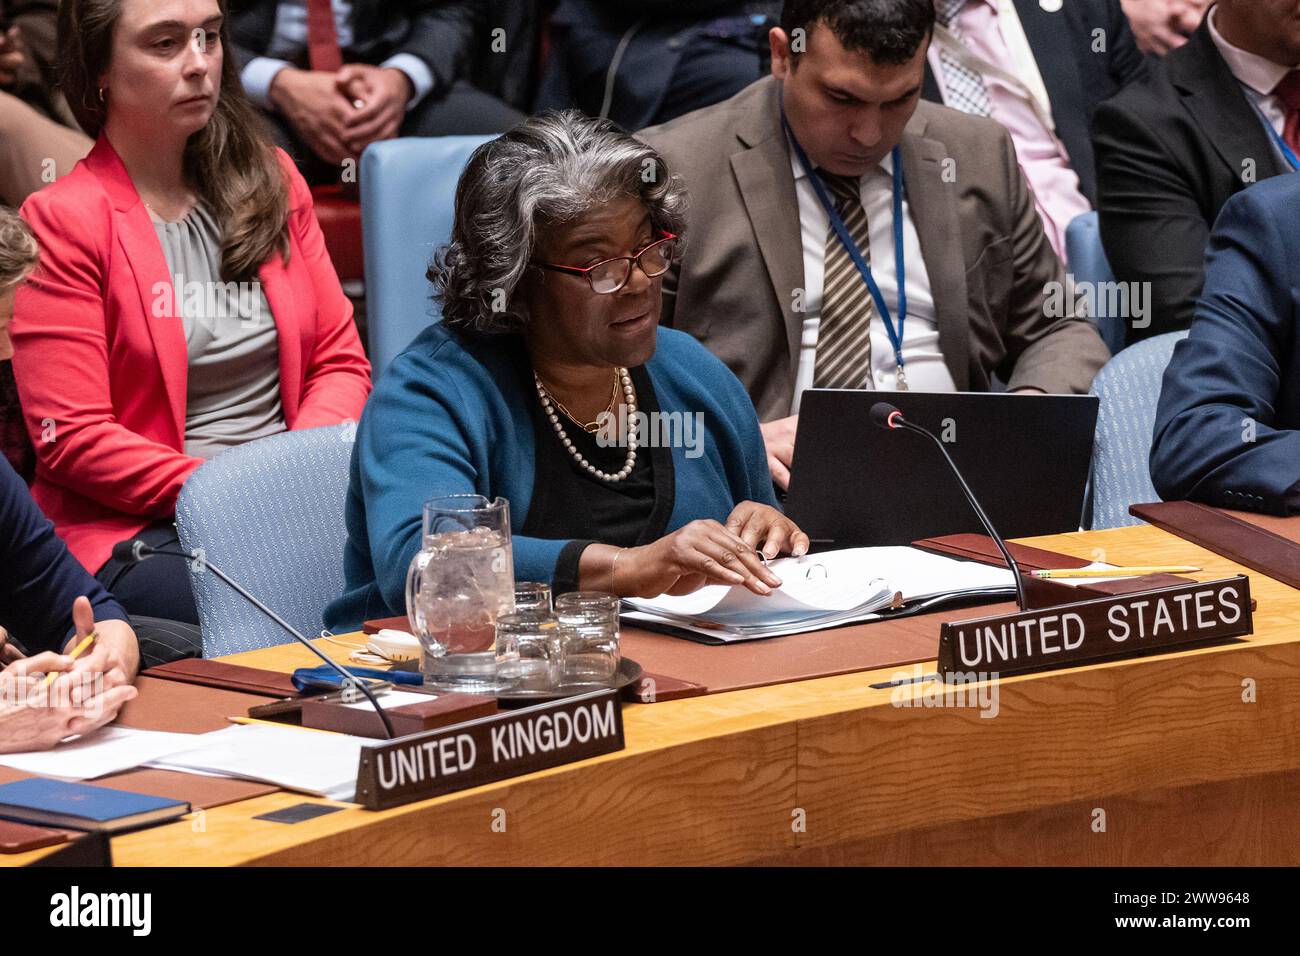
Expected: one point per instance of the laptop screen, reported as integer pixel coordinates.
(854, 484)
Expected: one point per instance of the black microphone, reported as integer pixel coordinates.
(129, 552)
(884, 415)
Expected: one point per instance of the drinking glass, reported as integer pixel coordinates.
(529, 650)
(532, 596)
(589, 629)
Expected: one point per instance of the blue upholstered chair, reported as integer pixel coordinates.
(1088, 264)
(269, 514)
(408, 194)
(1129, 387)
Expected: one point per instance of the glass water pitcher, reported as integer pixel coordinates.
(458, 583)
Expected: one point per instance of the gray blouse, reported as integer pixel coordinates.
(234, 347)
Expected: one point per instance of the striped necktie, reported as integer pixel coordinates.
(844, 340)
(964, 86)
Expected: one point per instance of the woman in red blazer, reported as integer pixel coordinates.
(105, 342)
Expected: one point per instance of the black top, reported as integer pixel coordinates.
(570, 502)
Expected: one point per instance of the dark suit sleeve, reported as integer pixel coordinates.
(1215, 439)
(699, 9)
(39, 577)
(1126, 61)
(443, 34)
(251, 27)
(1152, 226)
(38, 21)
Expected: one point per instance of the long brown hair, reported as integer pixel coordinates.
(230, 163)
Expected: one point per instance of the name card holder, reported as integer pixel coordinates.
(1104, 628)
(470, 754)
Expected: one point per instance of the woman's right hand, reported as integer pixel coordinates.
(702, 552)
(36, 717)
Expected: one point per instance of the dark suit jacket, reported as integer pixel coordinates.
(37, 20)
(1171, 149)
(983, 244)
(654, 34)
(1238, 370)
(440, 32)
(1077, 76)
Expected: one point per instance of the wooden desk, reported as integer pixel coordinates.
(1162, 752)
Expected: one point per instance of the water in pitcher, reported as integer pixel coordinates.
(467, 582)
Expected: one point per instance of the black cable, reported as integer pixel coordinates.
(142, 550)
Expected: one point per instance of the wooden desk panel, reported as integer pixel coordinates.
(1185, 770)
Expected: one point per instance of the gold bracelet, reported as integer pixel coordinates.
(614, 564)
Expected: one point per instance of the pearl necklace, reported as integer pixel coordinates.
(548, 406)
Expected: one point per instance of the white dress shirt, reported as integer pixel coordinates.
(289, 40)
(923, 362)
(1258, 77)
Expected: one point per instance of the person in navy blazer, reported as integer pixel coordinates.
(1228, 423)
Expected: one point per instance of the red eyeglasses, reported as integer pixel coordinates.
(610, 275)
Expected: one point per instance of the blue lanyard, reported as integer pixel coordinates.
(1281, 143)
(851, 247)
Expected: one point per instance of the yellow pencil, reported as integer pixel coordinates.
(1114, 572)
(76, 652)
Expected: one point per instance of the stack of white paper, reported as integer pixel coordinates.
(820, 591)
(321, 764)
(108, 750)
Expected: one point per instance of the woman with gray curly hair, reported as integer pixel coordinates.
(631, 457)
(18, 257)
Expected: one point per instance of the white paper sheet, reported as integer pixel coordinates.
(321, 764)
(393, 698)
(826, 589)
(108, 750)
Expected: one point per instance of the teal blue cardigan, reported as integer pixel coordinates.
(450, 416)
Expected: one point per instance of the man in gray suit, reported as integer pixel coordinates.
(774, 289)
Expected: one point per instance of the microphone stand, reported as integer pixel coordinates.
(140, 550)
(895, 419)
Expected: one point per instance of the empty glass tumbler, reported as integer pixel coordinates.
(529, 650)
(589, 629)
(532, 596)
